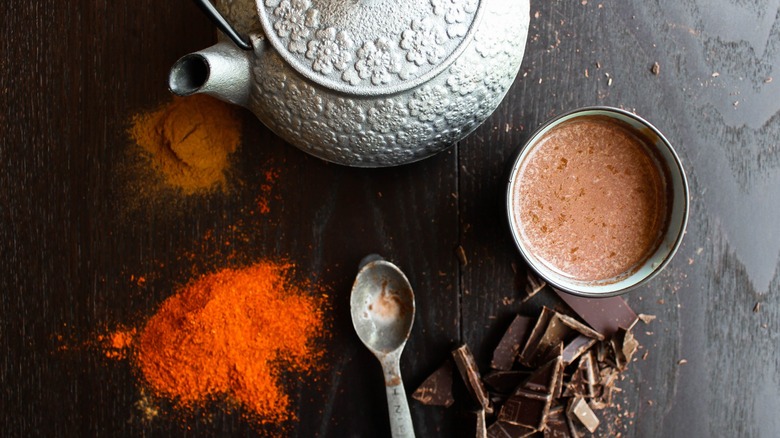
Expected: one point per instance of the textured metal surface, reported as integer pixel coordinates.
(461, 86)
(369, 47)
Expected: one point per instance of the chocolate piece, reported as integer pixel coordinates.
(557, 426)
(509, 346)
(436, 390)
(505, 381)
(560, 328)
(576, 347)
(529, 351)
(502, 429)
(579, 327)
(534, 286)
(580, 410)
(526, 408)
(475, 426)
(587, 372)
(546, 377)
(467, 367)
(624, 346)
(605, 315)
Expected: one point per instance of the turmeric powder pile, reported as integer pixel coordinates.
(189, 141)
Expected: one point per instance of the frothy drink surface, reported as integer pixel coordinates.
(590, 200)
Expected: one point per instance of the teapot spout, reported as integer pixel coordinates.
(222, 70)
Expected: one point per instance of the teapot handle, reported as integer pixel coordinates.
(222, 24)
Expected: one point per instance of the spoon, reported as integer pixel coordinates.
(382, 306)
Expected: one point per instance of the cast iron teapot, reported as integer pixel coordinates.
(366, 83)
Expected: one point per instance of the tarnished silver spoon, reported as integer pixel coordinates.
(382, 306)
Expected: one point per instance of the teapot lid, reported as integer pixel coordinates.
(369, 47)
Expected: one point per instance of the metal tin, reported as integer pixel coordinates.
(677, 221)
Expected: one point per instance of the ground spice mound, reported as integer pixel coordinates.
(233, 333)
(189, 141)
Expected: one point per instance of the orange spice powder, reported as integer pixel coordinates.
(189, 141)
(233, 334)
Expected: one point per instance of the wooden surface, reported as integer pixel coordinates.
(73, 230)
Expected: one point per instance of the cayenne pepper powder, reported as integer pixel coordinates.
(233, 333)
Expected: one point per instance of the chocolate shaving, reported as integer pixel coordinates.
(436, 390)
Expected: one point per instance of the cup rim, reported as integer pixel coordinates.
(674, 165)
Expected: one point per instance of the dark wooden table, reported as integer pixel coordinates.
(72, 233)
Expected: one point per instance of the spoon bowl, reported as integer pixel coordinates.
(382, 307)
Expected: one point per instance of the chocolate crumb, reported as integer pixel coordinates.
(461, 253)
(647, 319)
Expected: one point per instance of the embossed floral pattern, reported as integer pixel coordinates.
(344, 115)
(271, 80)
(428, 102)
(461, 109)
(317, 135)
(465, 76)
(376, 60)
(296, 19)
(456, 13)
(386, 116)
(423, 42)
(303, 100)
(330, 49)
(415, 134)
(368, 143)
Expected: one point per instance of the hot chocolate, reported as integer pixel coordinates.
(591, 200)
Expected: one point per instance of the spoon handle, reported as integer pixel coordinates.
(400, 418)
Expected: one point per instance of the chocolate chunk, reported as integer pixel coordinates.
(505, 381)
(580, 410)
(502, 429)
(576, 347)
(526, 408)
(529, 352)
(545, 378)
(436, 390)
(605, 315)
(624, 346)
(560, 329)
(507, 350)
(467, 367)
(557, 426)
(579, 327)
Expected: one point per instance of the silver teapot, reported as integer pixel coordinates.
(366, 83)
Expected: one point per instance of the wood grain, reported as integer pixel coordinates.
(74, 228)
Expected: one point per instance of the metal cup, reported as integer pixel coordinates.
(677, 186)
